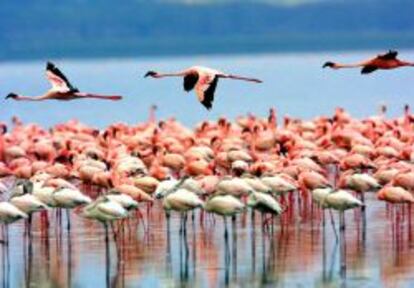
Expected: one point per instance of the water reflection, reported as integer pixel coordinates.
(149, 250)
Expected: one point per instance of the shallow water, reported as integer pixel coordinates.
(293, 83)
(299, 253)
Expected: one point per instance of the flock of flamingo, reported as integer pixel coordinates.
(222, 167)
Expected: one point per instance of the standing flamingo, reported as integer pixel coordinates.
(61, 89)
(385, 61)
(224, 205)
(9, 214)
(204, 80)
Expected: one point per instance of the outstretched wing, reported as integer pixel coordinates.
(205, 89)
(58, 79)
(390, 55)
(368, 69)
(190, 80)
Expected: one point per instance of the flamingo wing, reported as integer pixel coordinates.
(368, 69)
(205, 88)
(58, 80)
(190, 80)
(390, 55)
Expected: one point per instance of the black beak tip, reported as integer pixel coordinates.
(328, 64)
(150, 73)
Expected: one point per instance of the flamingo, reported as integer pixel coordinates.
(384, 61)
(23, 198)
(224, 205)
(395, 194)
(181, 200)
(264, 203)
(69, 198)
(9, 214)
(61, 89)
(105, 210)
(126, 201)
(342, 200)
(203, 79)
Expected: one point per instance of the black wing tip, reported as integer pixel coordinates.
(207, 105)
(368, 69)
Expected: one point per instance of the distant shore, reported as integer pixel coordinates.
(123, 48)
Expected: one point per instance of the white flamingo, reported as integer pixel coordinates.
(105, 210)
(181, 200)
(126, 201)
(224, 205)
(61, 89)
(67, 198)
(265, 203)
(23, 199)
(9, 214)
(342, 200)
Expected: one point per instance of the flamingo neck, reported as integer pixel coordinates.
(177, 74)
(354, 65)
(28, 98)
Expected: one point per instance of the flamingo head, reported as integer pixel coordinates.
(329, 64)
(151, 74)
(11, 95)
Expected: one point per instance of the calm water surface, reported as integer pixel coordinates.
(294, 83)
(301, 254)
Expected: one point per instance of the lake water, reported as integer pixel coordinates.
(302, 254)
(293, 83)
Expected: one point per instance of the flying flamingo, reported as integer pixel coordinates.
(61, 89)
(385, 61)
(204, 80)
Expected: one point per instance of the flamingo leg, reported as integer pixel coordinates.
(342, 242)
(333, 224)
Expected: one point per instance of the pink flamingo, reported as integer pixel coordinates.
(204, 80)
